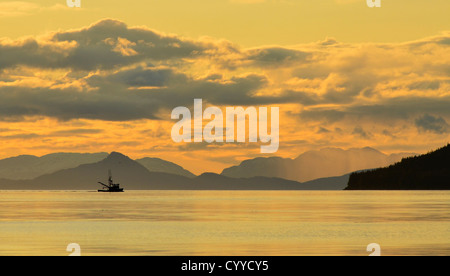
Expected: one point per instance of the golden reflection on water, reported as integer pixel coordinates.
(225, 222)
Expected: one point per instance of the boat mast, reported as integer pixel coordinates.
(110, 178)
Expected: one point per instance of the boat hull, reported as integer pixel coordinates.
(111, 191)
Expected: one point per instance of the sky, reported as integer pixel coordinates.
(106, 76)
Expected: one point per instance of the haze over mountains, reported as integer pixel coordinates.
(159, 165)
(328, 162)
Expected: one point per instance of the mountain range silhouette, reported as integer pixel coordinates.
(134, 176)
(350, 172)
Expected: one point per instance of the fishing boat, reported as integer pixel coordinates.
(111, 187)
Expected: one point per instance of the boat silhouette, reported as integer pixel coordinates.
(111, 186)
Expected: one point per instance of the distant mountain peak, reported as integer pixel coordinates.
(117, 158)
(371, 149)
(209, 174)
(115, 154)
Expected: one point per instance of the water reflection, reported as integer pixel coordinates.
(225, 222)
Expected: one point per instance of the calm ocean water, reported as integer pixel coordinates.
(225, 222)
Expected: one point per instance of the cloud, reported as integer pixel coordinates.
(140, 77)
(106, 44)
(24, 136)
(432, 124)
(272, 56)
(114, 72)
(111, 99)
(359, 131)
(75, 132)
(30, 52)
(323, 130)
(111, 44)
(389, 110)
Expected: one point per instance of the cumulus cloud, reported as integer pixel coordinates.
(104, 45)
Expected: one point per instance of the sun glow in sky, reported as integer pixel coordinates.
(105, 77)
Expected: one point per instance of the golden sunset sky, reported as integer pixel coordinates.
(106, 76)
